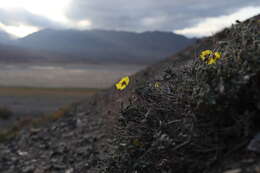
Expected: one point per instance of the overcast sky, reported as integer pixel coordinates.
(187, 17)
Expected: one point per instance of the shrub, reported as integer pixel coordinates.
(200, 114)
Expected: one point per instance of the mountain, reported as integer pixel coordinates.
(5, 38)
(107, 46)
(15, 54)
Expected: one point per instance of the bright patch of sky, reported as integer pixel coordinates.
(51, 9)
(19, 30)
(209, 26)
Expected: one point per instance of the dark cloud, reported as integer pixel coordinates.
(139, 15)
(20, 16)
(133, 15)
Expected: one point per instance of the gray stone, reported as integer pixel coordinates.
(28, 169)
(254, 144)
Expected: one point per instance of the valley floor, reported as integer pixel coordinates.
(28, 102)
(51, 75)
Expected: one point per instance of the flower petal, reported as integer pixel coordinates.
(217, 55)
(122, 84)
(204, 54)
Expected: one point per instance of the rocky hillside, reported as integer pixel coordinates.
(184, 114)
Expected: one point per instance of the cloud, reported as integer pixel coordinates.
(19, 30)
(51, 9)
(15, 17)
(136, 15)
(209, 26)
(20, 22)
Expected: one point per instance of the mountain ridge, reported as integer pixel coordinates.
(92, 46)
(107, 45)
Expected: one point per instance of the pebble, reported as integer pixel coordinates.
(22, 153)
(233, 171)
(254, 144)
(69, 170)
(28, 169)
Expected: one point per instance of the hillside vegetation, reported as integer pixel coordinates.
(197, 116)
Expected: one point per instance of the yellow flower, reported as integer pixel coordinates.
(210, 57)
(157, 84)
(122, 84)
(205, 54)
(211, 61)
(217, 55)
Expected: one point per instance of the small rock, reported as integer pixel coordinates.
(39, 170)
(69, 170)
(81, 113)
(28, 169)
(254, 144)
(248, 161)
(233, 171)
(67, 135)
(221, 89)
(22, 153)
(59, 166)
(53, 128)
(34, 130)
(246, 77)
(43, 146)
(79, 123)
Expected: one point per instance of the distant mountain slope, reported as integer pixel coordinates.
(5, 37)
(101, 45)
(15, 54)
